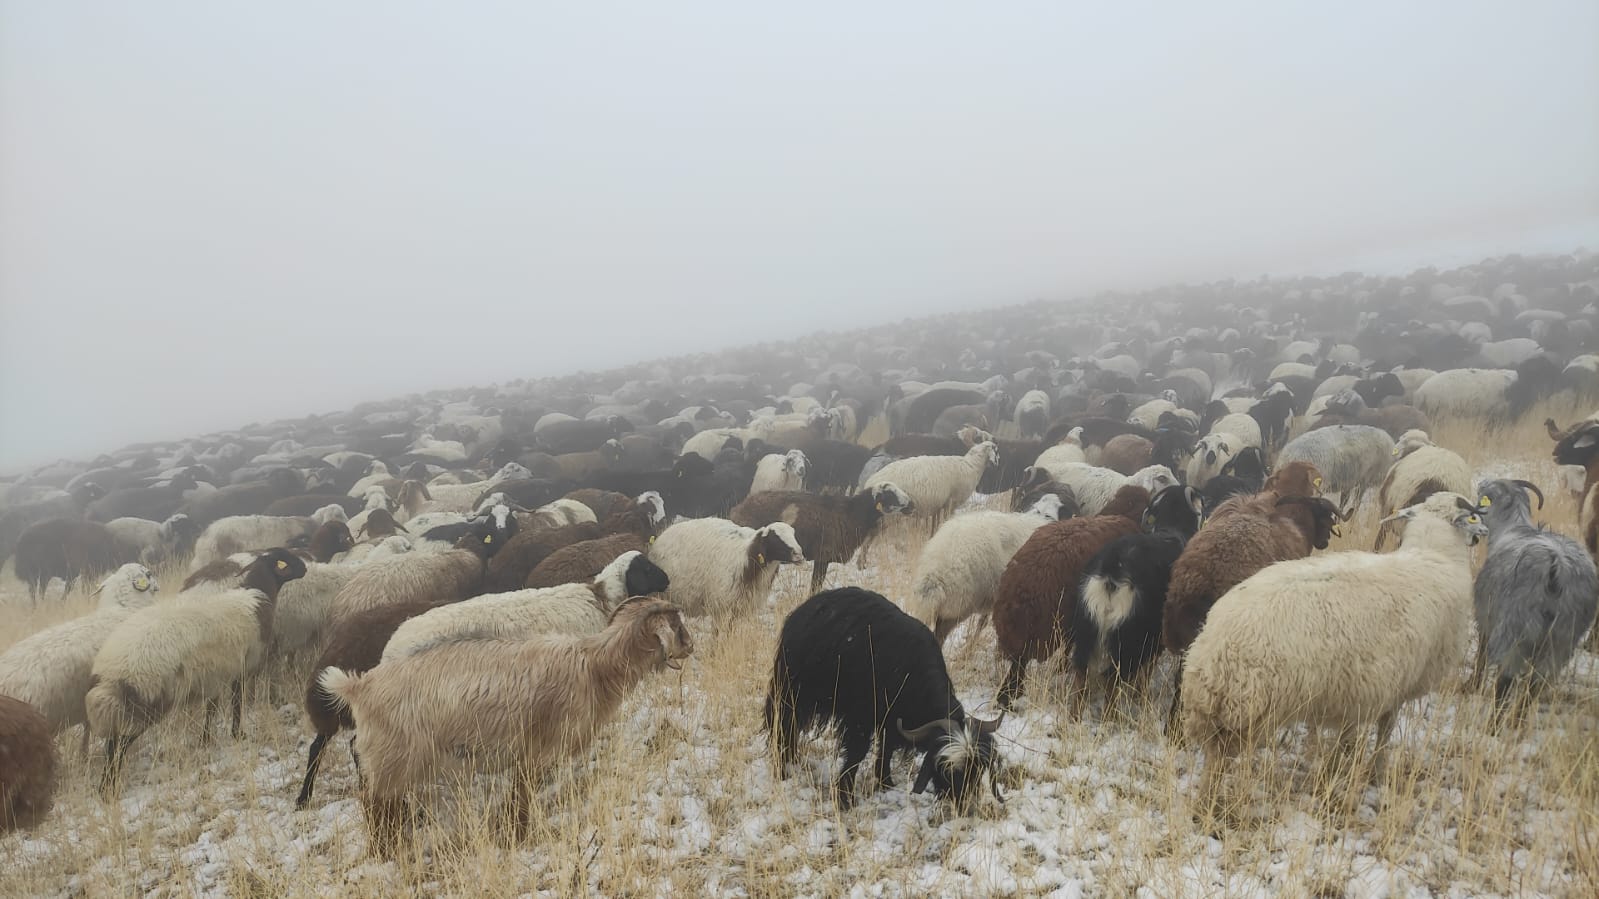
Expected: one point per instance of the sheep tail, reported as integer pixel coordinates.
(340, 686)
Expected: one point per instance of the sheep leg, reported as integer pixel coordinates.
(1079, 697)
(1385, 729)
(385, 819)
(355, 758)
(313, 760)
(855, 746)
(1176, 700)
(942, 628)
(1011, 689)
(1479, 665)
(818, 574)
(1217, 761)
(116, 748)
(238, 709)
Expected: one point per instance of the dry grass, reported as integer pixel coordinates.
(680, 798)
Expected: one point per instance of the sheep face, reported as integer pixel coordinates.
(280, 564)
(1459, 512)
(656, 504)
(891, 499)
(1503, 501)
(1047, 506)
(662, 636)
(958, 754)
(480, 539)
(329, 540)
(643, 577)
(777, 543)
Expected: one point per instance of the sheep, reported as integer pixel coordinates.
(28, 777)
(459, 572)
(1038, 587)
(1579, 445)
(16, 519)
(1421, 469)
(828, 528)
(1347, 407)
(226, 536)
(567, 609)
(1466, 393)
(1094, 487)
(524, 703)
(1243, 473)
(157, 542)
(936, 485)
(378, 525)
(1341, 640)
(1122, 595)
(583, 560)
(1534, 597)
(1272, 415)
(243, 499)
(720, 568)
(464, 497)
(51, 669)
(190, 648)
(354, 644)
(1352, 458)
(562, 512)
(510, 567)
(1127, 454)
(68, 548)
(1032, 414)
(603, 503)
(849, 657)
(780, 472)
(1211, 455)
(958, 570)
(376, 475)
(376, 500)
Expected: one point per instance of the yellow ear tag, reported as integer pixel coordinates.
(760, 558)
(282, 565)
(652, 540)
(1485, 502)
(680, 474)
(879, 507)
(1396, 450)
(1317, 485)
(488, 538)
(141, 584)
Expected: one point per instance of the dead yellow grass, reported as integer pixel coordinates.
(679, 798)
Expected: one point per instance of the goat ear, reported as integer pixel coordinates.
(1585, 441)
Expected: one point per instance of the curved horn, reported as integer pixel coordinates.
(979, 726)
(1533, 487)
(942, 725)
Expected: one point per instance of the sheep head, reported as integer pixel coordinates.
(776, 543)
(655, 631)
(1451, 509)
(1505, 500)
(957, 755)
(889, 499)
(1295, 479)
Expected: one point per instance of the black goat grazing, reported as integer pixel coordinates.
(1122, 596)
(850, 657)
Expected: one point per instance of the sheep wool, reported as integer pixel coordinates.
(936, 485)
(1421, 469)
(28, 777)
(1340, 640)
(958, 571)
(721, 568)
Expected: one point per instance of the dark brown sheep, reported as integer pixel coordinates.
(28, 775)
(1127, 453)
(583, 561)
(829, 528)
(1243, 535)
(379, 524)
(510, 567)
(1033, 608)
(68, 548)
(355, 645)
(603, 503)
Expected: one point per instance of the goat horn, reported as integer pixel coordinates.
(1533, 487)
(942, 725)
(397, 526)
(987, 727)
(1343, 514)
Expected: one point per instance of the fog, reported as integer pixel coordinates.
(212, 214)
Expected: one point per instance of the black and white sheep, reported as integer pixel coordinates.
(721, 568)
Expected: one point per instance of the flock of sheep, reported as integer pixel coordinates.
(477, 580)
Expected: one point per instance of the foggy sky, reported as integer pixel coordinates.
(212, 214)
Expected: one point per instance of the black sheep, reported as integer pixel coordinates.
(1122, 594)
(850, 657)
(1242, 474)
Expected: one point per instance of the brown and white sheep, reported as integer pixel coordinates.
(829, 528)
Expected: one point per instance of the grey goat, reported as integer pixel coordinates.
(1535, 596)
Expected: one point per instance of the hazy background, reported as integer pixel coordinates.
(211, 214)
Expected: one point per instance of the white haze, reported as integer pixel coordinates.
(218, 213)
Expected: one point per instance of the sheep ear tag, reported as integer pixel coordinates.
(879, 507)
(1484, 503)
(488, 538)
(282, 565)
(142, 584)
(760, 558)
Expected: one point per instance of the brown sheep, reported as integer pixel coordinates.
(1396, 420)
(604, 503)
(583, 561)
(510, 567)
(1579, 445)
(1033, 608)
(355, 645)
(1126, 453)
(1245, 534)
(379, 524)
(28, 776)
(829, 528)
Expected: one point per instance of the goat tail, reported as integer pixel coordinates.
(339, 685)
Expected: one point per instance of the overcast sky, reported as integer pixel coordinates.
(216, 213)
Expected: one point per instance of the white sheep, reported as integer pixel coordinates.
(387, 548)
(1351, 458)
(958, 570)
(191, 648)
(1094, 486)
(1420, 469)
(1032, 414)
(937, 485)
(156, 541)
(719, 568)
(1465, 393)
(560, 513)
(1340, 640)
(416, 576)
(52, 669)
(566, 609)
(374, 499)
(1211, 455)
(1148, 414)
(1241, 426)
(236, 533)
(377, 475)
(780, 471)
(1067, 451)
(462, 497)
